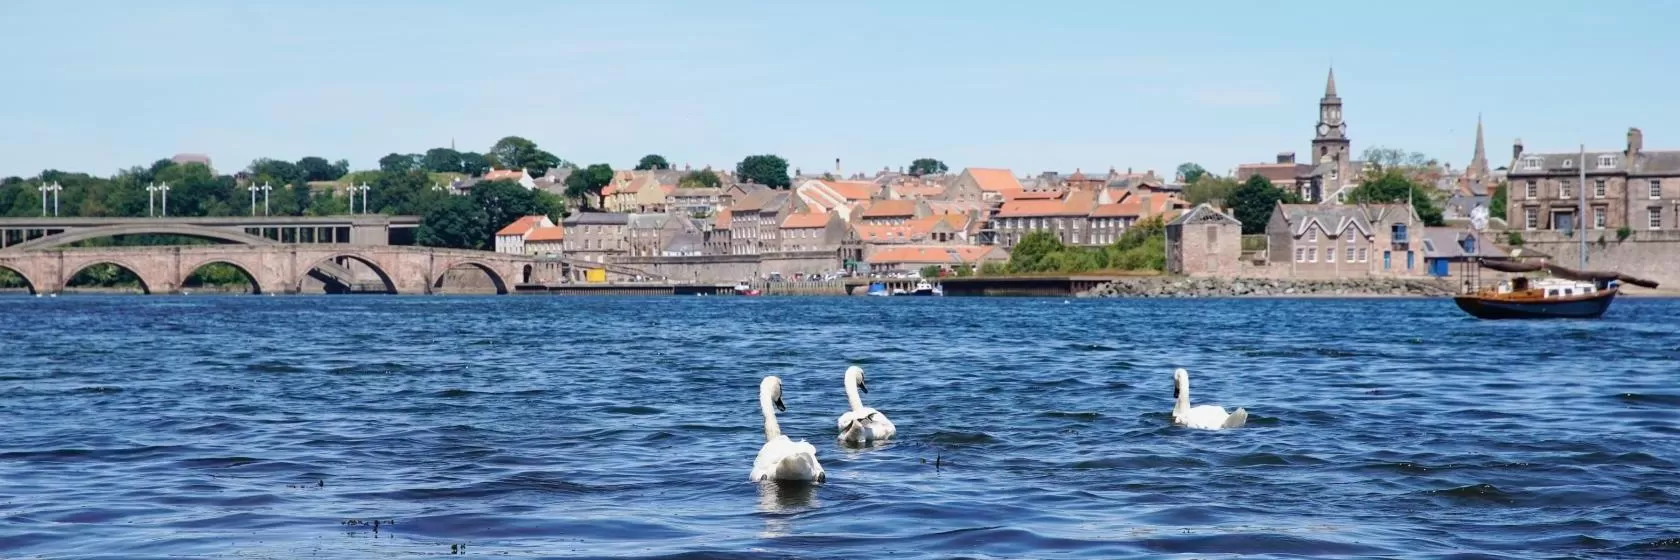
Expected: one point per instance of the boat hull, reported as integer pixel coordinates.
(1590, 307)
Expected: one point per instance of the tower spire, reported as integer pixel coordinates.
(1330, 84)
(1478, 168)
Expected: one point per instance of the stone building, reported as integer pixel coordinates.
(1204, 242)
(755, 222)
(1345, 241)
(596, 236)
(511, 238)
(1634, 187)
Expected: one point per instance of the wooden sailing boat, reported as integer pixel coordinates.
(1566, 294)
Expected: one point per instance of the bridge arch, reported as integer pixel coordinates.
(70, 274)
(384, 275)
(256, 283)
(495, 276)
(183, 230)
(30, 283)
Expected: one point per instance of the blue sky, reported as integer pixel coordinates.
(1033, 86)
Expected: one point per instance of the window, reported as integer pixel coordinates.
(1531, 218)
(1568, 163)
(1531, 163)
(1606, 161)
(1656, 188)
(1330, 254)
(1598, 188)
(1332, 174)
(1532, 190)
(1388, 261)
(1362, 254)
(1300, 254)
(1566, 189)
(1598, 218)
(1312, 234)
(1312, 254)
(1654, 217)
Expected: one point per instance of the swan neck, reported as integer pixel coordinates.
(771, 428)
(852, 396)
(1182, 404)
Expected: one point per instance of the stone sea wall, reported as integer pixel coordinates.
(1181, 287)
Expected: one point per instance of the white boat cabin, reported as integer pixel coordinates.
(1549, 287)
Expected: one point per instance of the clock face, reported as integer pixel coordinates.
(1323, 129)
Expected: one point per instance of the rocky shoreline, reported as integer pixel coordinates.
(1181, 287)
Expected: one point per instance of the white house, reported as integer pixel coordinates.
(516, 175)
(511, 239)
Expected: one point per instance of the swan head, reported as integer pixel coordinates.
(1181, 381)
(854, 377)
(771, 389)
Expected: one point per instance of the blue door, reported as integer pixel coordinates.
(1438, 267)
(1409, 260)
(1387, 262)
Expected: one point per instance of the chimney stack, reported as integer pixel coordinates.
(1516, 149)
(1636, 144)
(1286, 157)
(837, 173)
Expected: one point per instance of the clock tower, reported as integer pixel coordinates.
(1330, 141)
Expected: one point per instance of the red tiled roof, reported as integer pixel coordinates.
(555, 233)
(805, 220)
(723, 217)
(521, 226)
(500, 174)
(994, 179)
(852, 190)
(1018, 194)
(890, 209)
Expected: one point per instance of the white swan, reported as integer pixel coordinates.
(862, 424)
(1204, 417)
(782, 458)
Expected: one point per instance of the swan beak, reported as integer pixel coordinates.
(779, 406)
(1175, 390)
(863, 387)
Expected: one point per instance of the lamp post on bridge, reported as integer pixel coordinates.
(265, 189)
(53, 188)
(152, 191)
(253, 188)
(364, 188)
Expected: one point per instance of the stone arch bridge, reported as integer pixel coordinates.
(286, 268)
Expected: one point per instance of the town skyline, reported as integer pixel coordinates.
(877, 87)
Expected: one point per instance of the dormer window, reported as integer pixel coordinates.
(1568, 163)
(1531, 163)
(1606, 161)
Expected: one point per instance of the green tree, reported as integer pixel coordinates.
(589, 180)
(931, 271)
(1210, 189)
(399, 163)
(1034, 251)
(442, 160)
(456, 222)
(652, 161)
(768, 170)
(506, 201)
(1497, 202)
(317, 169)
(474, 164)
(193, 191)
(514, 152)
(399, 193)
(271, 171)
(1394, 187)
(702, 179)
(1189, 172)
(927, 166)
(1252, 203)
(328, 204)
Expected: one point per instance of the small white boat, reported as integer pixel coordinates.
(923, 288)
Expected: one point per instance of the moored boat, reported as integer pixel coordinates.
(1566, 294)
(923, 288)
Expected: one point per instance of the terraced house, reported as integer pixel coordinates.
(1634, 188)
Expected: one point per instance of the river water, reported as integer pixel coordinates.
(533, 427)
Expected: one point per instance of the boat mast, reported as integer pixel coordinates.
(1581, 211)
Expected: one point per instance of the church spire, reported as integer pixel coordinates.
(1478, 163)
(1330, 84)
